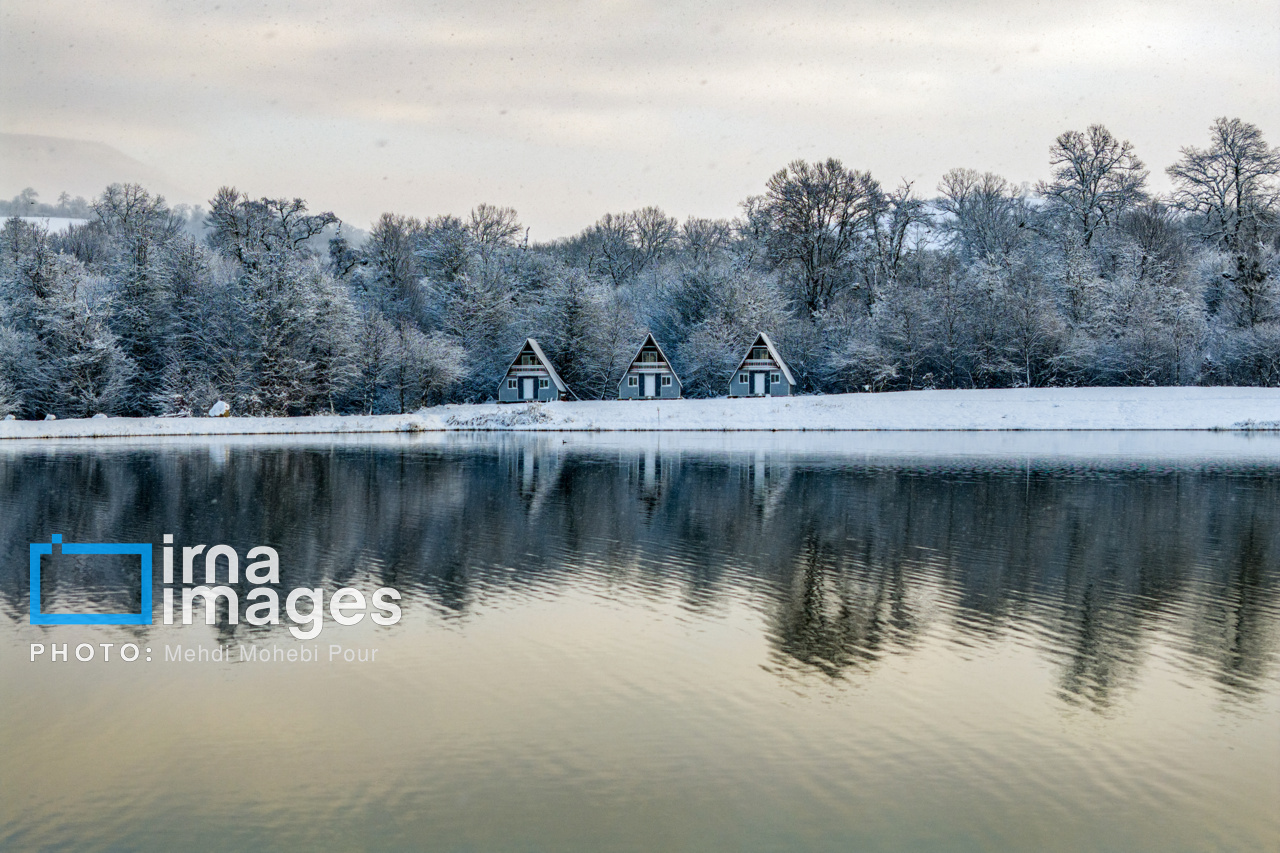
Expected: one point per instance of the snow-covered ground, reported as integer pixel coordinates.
(1011, 409)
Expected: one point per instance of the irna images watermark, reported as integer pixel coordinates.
(253, 597)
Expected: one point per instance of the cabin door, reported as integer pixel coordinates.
(649, 384)
(526, 388)
(758, 387)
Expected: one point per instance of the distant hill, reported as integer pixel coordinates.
(78, 167)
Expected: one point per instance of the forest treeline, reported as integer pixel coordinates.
(1087, 278)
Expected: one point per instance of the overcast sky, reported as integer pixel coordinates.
(569, 110)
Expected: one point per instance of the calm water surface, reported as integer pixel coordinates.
(660, 644)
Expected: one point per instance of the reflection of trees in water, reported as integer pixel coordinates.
(836, 613)
(1234, 626)
(1101, 646)
(854, 563)
(1129, 551)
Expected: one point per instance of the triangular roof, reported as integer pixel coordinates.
(649, 338)
(532, 343)
(762, 338)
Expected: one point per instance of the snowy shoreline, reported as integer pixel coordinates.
(1024, 409)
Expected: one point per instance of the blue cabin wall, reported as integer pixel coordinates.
(649, 361)
(740, 388)
(512, 395)
(626, 391)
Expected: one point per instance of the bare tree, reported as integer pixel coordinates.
(985, 214)
(10, 399)
(654, 234)
(703, 239)
(1232, 190)
(255, 231)
(1096, 178)
(817, 216)
(493, 228)
(129, 211)
(1231, 184)
(445, 248)
(1158, 239)
(392, 266)
(612, 238)
(620, 246)
(897, 221)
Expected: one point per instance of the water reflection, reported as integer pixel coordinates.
(832, 616)
(849, 562)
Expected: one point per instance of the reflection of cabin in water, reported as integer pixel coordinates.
(534, 467)
(650, 375)
(652, 470)
(770, 478)
(531, 377)
(762, 372)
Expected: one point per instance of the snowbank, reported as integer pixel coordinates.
(1011, 409)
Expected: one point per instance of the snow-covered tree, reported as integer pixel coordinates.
(818, 216)
(1232, 191)
(140, 231)
(393, 269)
(422, 368)
(373, 358)
(492, 229)
(587, 332)
(480, 315)
(1231, 194)
(706, 316)
(149, 309)
(258, 232)
(1096, 178)
(10, 402)
(80, 368)
(984, 216)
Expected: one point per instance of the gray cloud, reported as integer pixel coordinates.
(567, 110)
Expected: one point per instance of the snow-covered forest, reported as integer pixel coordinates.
(1086, 278)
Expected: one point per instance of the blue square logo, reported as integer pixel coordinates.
(142, 549)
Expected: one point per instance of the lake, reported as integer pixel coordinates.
(682, 642)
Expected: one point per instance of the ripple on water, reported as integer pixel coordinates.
(669, 650)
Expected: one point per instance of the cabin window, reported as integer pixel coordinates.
(759, 353)
(528, 359)
(544, 383)
(649, 356)
(666, 380)
(742, 377)
(511, 383)
(633, 381)
(775, 378)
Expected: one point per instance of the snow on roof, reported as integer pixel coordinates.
(762, 338)
(649, 338)
(532, 343)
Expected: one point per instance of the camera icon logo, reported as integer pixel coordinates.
(39, 549)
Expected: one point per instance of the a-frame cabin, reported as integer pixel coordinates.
(531, 377)
(762, 372)
(650, 375)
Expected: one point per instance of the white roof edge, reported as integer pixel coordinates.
(542, 357)
(773, 351)
(630, 364)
